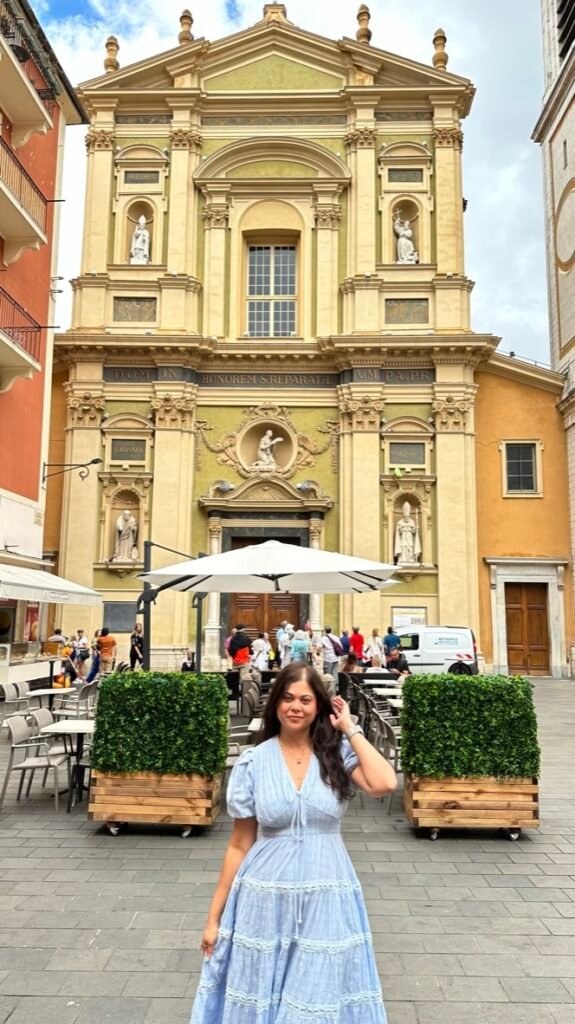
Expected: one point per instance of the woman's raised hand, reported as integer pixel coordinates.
(341, 717)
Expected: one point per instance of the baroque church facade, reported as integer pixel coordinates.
(271, 339)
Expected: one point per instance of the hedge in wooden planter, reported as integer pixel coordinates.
(470, 752)
(160, 748)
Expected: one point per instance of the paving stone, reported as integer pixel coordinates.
(561, 1014)
(537, 990)
(444, 1013)
(168, 1011)
(518, 1013)
(158, 984)
(35, 1010)
(79, 960)
(29, 983)
(107, 1010)
(400, 1013)
(468, 990)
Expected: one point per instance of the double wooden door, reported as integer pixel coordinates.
(527, 628)
(263, 611)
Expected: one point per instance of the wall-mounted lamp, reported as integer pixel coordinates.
(68, 467)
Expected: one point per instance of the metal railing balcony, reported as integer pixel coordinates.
(23, 188)
(17, 325)
(29, 59)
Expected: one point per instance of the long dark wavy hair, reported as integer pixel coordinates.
(326, 741)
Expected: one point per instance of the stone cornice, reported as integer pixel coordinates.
(527, 373)
(560, 93)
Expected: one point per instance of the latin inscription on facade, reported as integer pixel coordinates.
(141, 177)
(129, 450)
(140, 310)
(405, 174)
(407, 311)
(270, 380)
(255, 379)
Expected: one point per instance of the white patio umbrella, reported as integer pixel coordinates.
(273, 567)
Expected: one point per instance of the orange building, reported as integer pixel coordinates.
(525, 592)
(36, 104)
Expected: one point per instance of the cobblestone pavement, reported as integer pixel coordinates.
(468, 930)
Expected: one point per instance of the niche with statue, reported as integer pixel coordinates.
(406, 222)
(407, 549)
(124, 528)
(139, 233)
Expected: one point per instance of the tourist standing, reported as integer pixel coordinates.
(287, 897)
(373, 647)
(108, 649)
(344, 641)
(261, 648)
(356, 643)
(390, 641)
(301, 647)
(189, 662)
(240, 651)
(81, 656)
(137, 646)
(332, 651)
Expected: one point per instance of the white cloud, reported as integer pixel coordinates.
(495, 44)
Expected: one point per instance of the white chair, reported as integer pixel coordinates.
(13, 704)
(26, 756)
(79, 703)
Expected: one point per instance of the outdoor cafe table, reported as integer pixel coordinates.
(395, 703)
(78, 727)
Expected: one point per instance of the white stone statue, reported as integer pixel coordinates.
(125, 549)
(265, 458)
(407, 547)
(406, 251)
(140, 247)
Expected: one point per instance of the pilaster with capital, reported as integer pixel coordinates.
(211, 639)
(448, 140)
(456, 502)
(100, 141)
(215, 215)
(186, 145)
(360, 144)
(361, 412)
(327, 214)
(172, 499)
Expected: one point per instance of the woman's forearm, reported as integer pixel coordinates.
(232, 862)
(378, 772)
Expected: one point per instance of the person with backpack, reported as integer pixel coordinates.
(332, 652)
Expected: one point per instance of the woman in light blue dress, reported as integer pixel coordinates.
(287, 938)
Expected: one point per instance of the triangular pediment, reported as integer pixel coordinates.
(276, 57)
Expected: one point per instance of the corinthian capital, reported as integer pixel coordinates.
(215, 215)
(173, 412)
(360, 138)
(361, 414)
(450, 413)
(182, 138)
(99, 138)
(327, 216)
(451, 138)
(85, 410)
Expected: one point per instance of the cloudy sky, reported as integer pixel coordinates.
(496, 43)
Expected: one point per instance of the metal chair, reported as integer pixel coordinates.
(24, 743)
(392, 752)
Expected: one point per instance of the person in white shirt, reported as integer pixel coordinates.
(332, 651)
(81, 653)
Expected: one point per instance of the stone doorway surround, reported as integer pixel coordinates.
(529, 570)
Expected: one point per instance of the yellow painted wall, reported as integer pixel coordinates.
(518, 527)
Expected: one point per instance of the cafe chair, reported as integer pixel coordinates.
(30, 753)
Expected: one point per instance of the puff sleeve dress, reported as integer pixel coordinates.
(294, 942)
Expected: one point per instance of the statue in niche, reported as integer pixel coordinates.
(407, 547)
(406, 251)
(125, 548)
(140, 247)
(265, 457)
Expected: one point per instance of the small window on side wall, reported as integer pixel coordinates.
(522, 469)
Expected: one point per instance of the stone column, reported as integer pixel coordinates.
(315, 603)
(212, 659)
(360, 417)
(360, 142)
(215, 218)
(172, 503)
(457, 552)
(100, 177)
(81, 501)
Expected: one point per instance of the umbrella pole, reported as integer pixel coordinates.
(147, 609)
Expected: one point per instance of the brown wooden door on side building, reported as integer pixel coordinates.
(527, 628)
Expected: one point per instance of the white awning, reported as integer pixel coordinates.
(22, 584)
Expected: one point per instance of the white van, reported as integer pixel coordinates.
(440, 649)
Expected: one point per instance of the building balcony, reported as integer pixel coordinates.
(22, 207)
(20, 342)
(25, 95)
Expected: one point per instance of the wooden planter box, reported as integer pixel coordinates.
(483, 802)
(155, 799)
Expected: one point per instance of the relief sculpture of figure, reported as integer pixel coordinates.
(140, 247)
(265, 457)
(125, 549)
(407, 547)
(406, 251)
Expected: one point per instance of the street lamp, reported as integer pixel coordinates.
(68, 467)
(148, 597)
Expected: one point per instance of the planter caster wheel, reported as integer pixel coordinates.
(512, 834)
(113, 827)
(187, 831)
(433, 834)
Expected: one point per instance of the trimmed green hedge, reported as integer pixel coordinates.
(464, 726)
(163, 722)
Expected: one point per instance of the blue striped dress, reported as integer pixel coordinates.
(294, 942)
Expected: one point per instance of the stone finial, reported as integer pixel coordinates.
(440, 57)
(186, 21)
(363, 34)
(111, 62)
(275, 12)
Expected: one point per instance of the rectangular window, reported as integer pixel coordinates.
(521, 467)
(272, 295)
